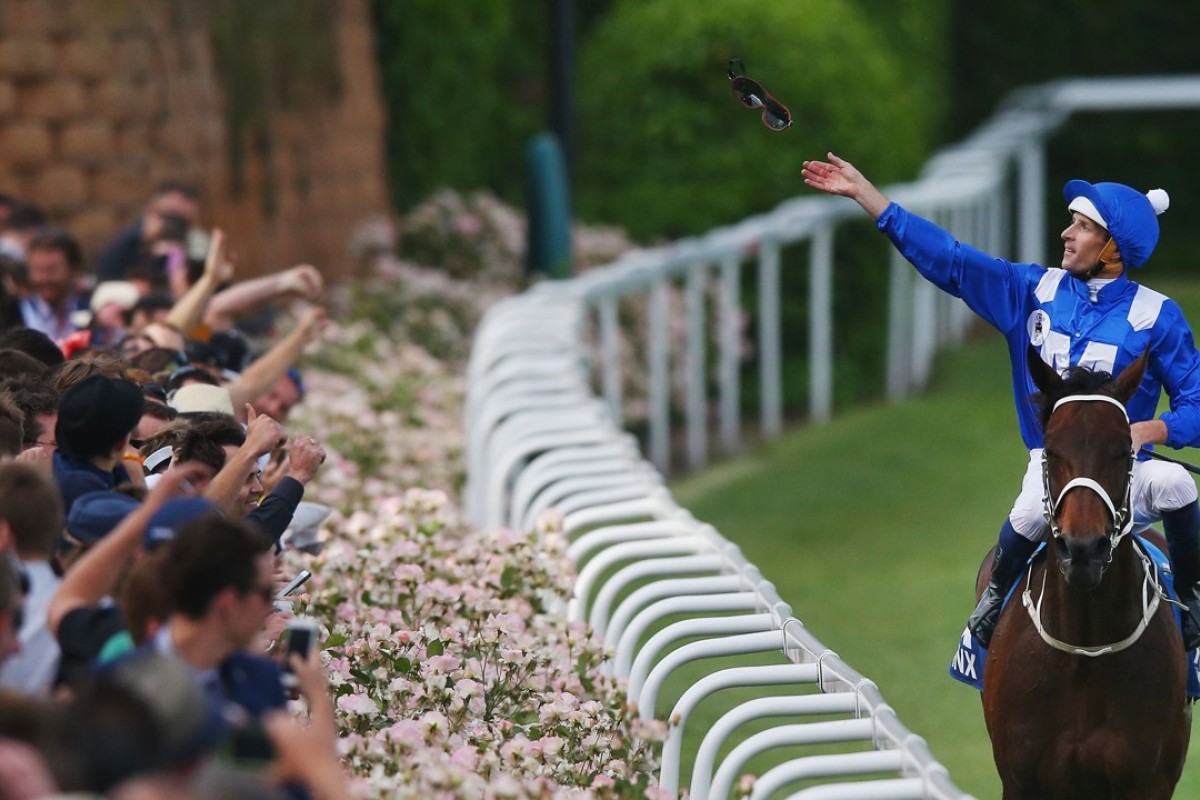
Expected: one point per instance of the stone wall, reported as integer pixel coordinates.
(100, 100)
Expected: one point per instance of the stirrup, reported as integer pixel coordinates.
(986, 616)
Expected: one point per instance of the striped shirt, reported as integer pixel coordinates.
(1054, 312)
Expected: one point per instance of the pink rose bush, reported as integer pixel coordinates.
(452, 676)
(453, 673)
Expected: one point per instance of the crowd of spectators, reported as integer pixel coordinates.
(148, 486)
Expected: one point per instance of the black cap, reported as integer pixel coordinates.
(96, 413)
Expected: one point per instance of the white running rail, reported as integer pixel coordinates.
(538, 437)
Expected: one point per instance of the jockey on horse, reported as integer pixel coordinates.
(1088, 313)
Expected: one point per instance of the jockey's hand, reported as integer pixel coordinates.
(840, 177)
(1150, 431)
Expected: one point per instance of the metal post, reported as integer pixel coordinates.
(659, 348)
(769, 345)
(820, 316)
(1031, 205)
(730, 345)
(697, 383)
(610, 358)
(899, 353)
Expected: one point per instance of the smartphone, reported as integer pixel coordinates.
(301, 639)
(294, 584)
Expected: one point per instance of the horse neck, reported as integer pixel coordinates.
(1101, 613)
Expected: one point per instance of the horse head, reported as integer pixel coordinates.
(1087, 462)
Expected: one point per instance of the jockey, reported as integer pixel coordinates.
(1086, 314)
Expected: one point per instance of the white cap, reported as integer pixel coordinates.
(1088, 209)
(195, 398)
(122, 293)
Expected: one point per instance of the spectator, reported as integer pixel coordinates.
(15, 364)
(77, 370)
(24, 222)
(95, 420)
(34, 343)
(78, 614)
(111, 306)
(282, 397)
(219, 576)
(155, 417)
(39, 406)
(32, 512)
(264, 374)
(173, 199)
(54, 262)
(152, 307)
(93, 516)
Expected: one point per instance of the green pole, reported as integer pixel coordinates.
(548, 202)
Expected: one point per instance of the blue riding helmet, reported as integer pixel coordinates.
(1130, 217)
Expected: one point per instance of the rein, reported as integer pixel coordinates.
(1122, 524)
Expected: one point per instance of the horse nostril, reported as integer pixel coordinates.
(1088, 551)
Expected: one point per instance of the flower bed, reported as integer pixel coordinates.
(454, 675)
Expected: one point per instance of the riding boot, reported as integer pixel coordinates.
(1012, 553)
(1182, 527)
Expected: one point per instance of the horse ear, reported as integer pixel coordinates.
(1129, 380)
(1044, 376)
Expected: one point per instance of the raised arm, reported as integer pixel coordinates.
(263, 435)
(188, 310)
(263, 372)
(302, 280)
(840, 177)
(95, 575)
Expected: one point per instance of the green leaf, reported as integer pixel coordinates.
(435, 647)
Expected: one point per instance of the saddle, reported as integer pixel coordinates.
(971, 656)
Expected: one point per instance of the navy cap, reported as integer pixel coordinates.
(173, 515)
(94, 515)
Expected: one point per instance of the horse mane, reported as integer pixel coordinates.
(1076, 380)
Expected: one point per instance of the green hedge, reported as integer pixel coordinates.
(666, 150)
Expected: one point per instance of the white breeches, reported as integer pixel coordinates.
(1157, 487)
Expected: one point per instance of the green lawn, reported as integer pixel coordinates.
(872, 528)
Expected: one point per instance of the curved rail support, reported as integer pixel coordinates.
(765, 675)
(647, 693)
(848, 730)
(628, 653)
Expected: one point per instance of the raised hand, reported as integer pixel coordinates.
(840, 177)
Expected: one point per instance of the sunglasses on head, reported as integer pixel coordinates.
(751, 94)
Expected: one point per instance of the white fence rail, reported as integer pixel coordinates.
(538, 437)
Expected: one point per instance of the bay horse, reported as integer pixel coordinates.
(1084, 690)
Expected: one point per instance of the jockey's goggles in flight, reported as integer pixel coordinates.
(751, 94)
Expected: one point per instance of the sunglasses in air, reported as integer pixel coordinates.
(751, 94)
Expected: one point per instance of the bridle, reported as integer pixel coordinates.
(1121, 518)
(1121, 523)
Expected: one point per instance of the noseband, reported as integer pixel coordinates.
(1120, 526)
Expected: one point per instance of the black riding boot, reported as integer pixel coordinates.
(1012, 553)
(1182, 528)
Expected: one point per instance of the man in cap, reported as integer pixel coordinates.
(93, 516)
(1086, 314)
(95, 419)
